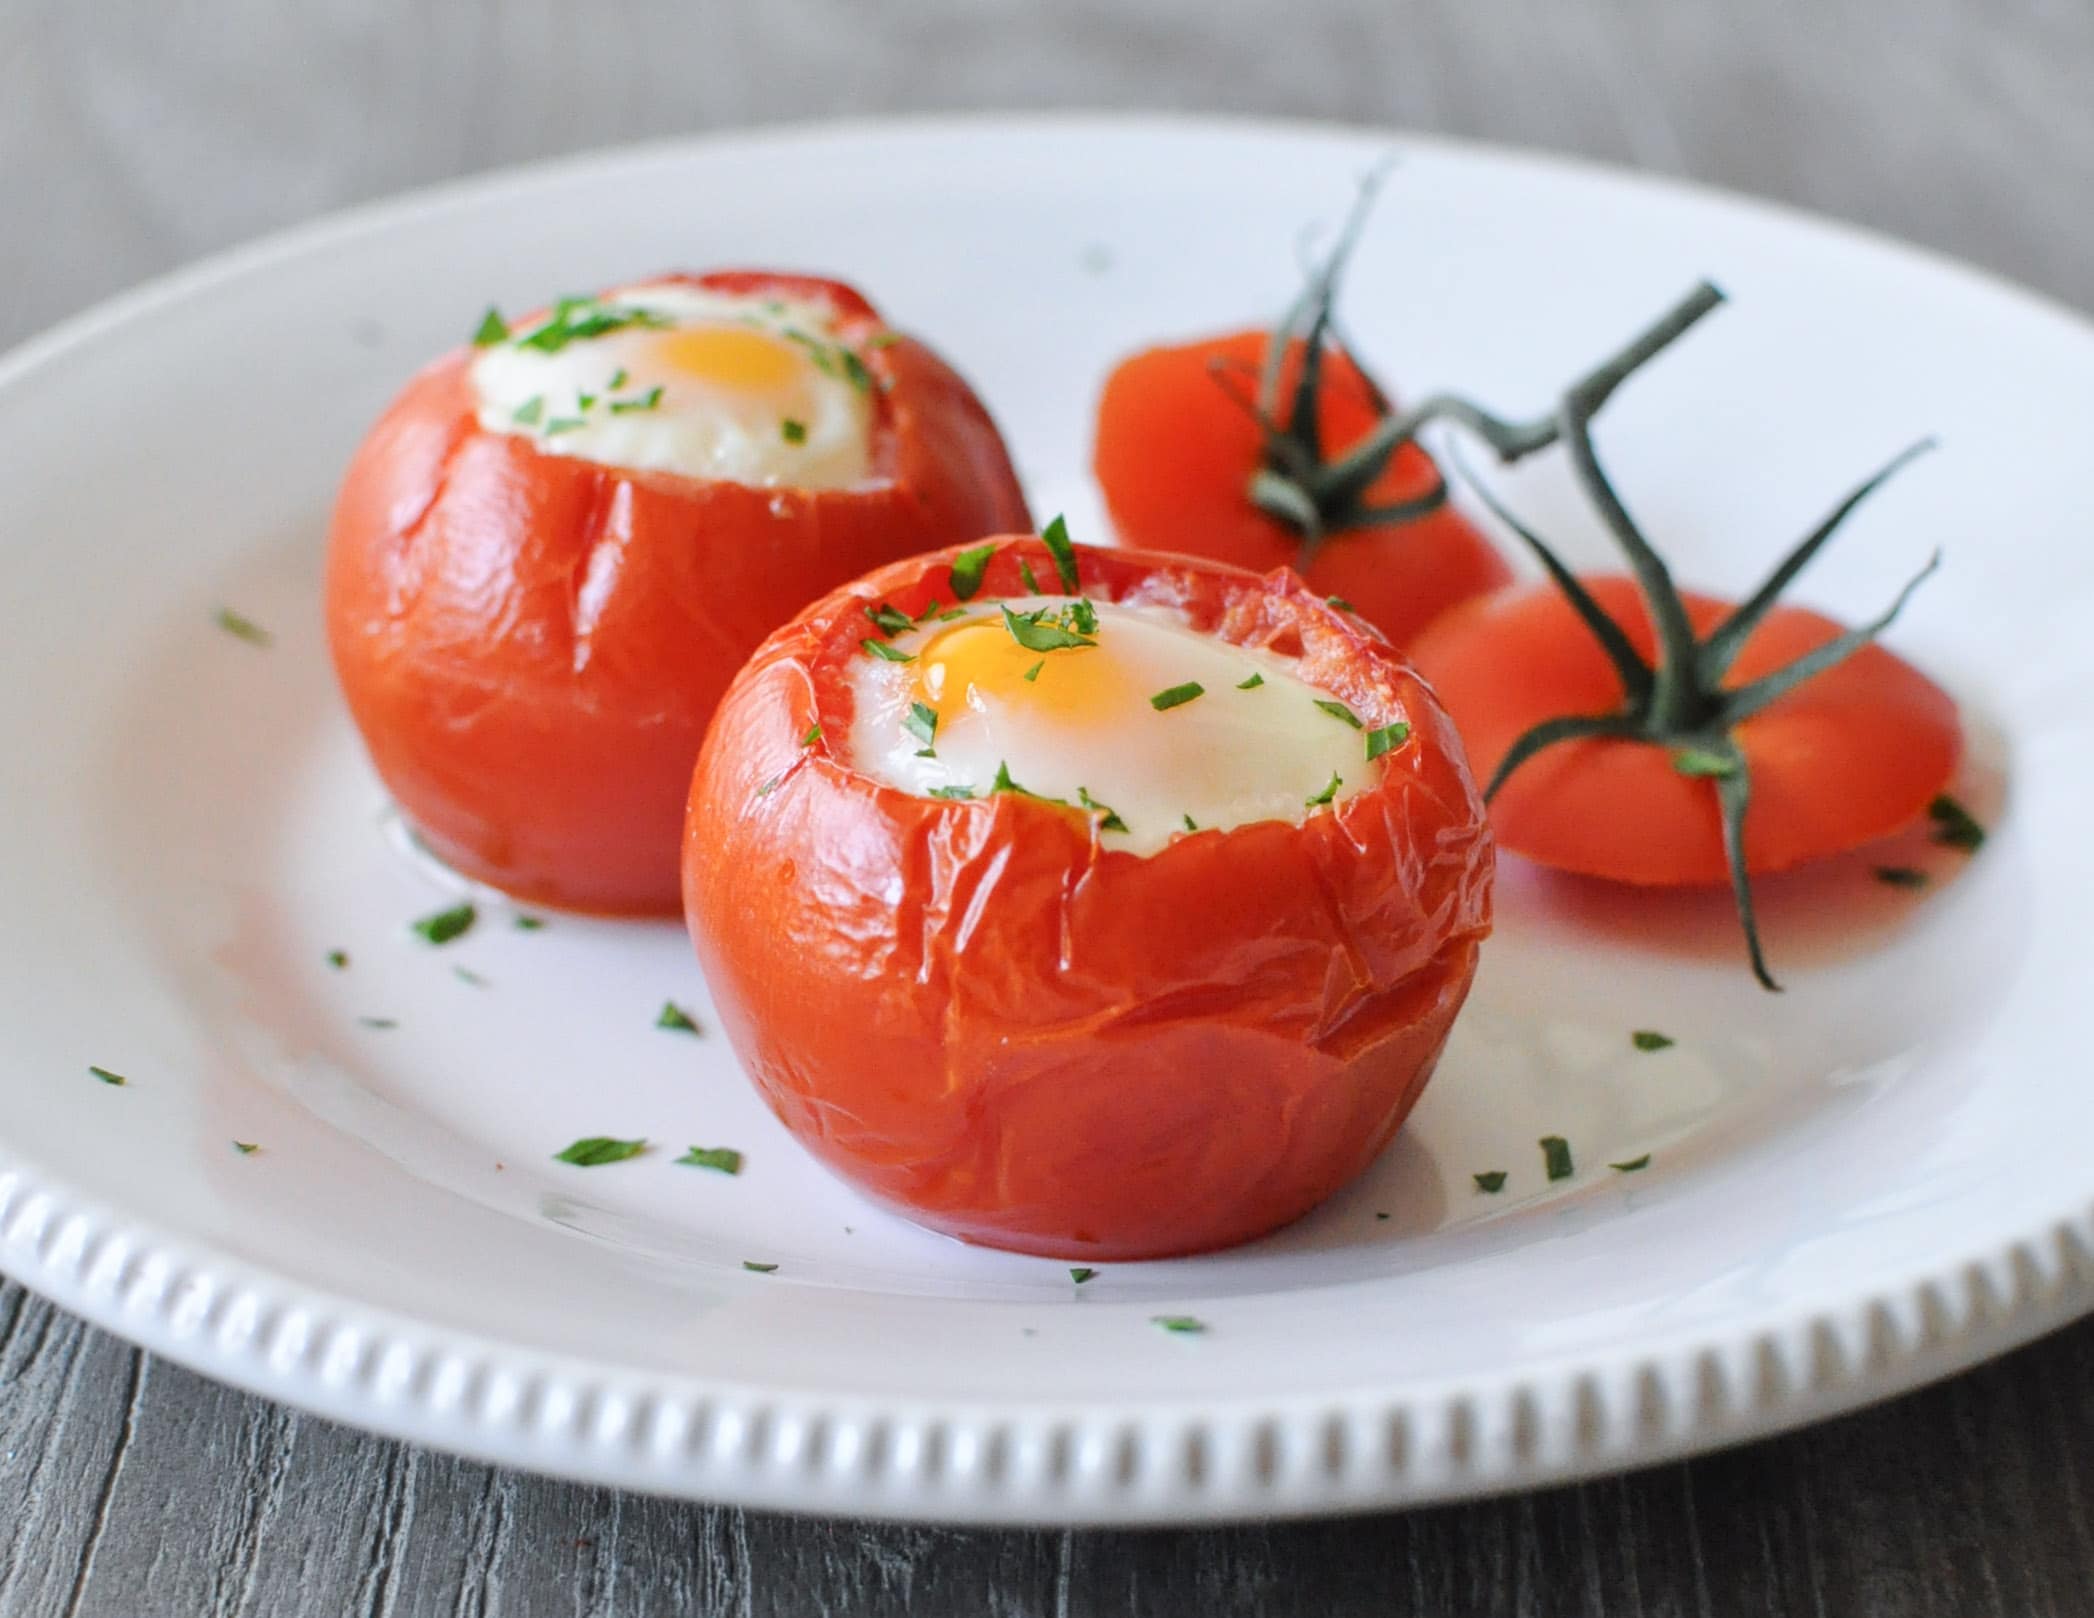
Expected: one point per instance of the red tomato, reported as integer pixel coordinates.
(1175, 454)
(539, 735)
(1849, 756)
(975, 1012)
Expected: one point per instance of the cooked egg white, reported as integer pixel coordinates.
(668, 378)
(1083, 723)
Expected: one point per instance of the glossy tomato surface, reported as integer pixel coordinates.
(1850, 756)
(1175, 452)
(980, 1015)
(533, 644)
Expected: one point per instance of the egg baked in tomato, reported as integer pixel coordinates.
(1278, 449)
(555, 548)
(1094, 903)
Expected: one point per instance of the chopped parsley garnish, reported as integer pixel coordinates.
(584, 402)
(1032, 674)
(576, 320)
(246, 1148)
(1704, 765)
(1177, 696)
(1004, 783)
(564, 424)
(967, 570)
(618, 380)
(446, 925)
(1954, 825)
(925, 752)
(529, 412)
(922, 723)
(954, 792)
(755, 1268)
(529, 924)
(491, 330)
(1025, 576)
(879, 648)
(832, 359)
(1180, 1325)
(1901, 876)
(1080, 1273)
(882, 339)
(1490, 1180)
(379, 1023)
(723, 1158)
(1340, 603)
(1081, 616)
(891, 620)
(793, 432)
(1632, 1165)
(106, 1076)
(1111, 822)
(1556, 1154)
(1338, 710)
(930, 611)
(1330, 791)
(1036, 633)
(814, 734)
(593, 1150)
(1191, 824)
(241, 628)
(465, 974)
(1055, 536)
(338, 959)
(647, 401)
(1649, 1039)
(1386, 740)
(1251, 684)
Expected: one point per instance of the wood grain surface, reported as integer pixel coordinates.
(136, 134)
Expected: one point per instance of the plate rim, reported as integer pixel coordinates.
(1556, 1419)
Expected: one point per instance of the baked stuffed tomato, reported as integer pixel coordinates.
(1099, 904)
(556, 547)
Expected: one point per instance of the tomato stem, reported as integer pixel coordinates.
(1680, 702)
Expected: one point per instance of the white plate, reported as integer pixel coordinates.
(1876, 1178)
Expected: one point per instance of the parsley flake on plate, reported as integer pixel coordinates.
(106, 1076)
(1490, 1180)
(1180, 1325)
(1649, 1039)
(1556, 1156)
(445, 925)
(592, 1151)
(676, 1019)
(724, 1159)
(243, 628)
(1337, 710)
(1177, 696)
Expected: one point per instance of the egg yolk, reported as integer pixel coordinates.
(979, 665)
(739, 358)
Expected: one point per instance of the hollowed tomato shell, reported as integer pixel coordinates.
(1175, 454)
(532, 644)
(982, 1015)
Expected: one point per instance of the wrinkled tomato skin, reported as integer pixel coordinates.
(1851, 756)
(1175, 455)
(532, 645)
(977, 1014)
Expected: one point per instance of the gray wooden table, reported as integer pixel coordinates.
(134, 136)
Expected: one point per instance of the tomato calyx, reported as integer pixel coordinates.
(1296, 483)
(1678, 701)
